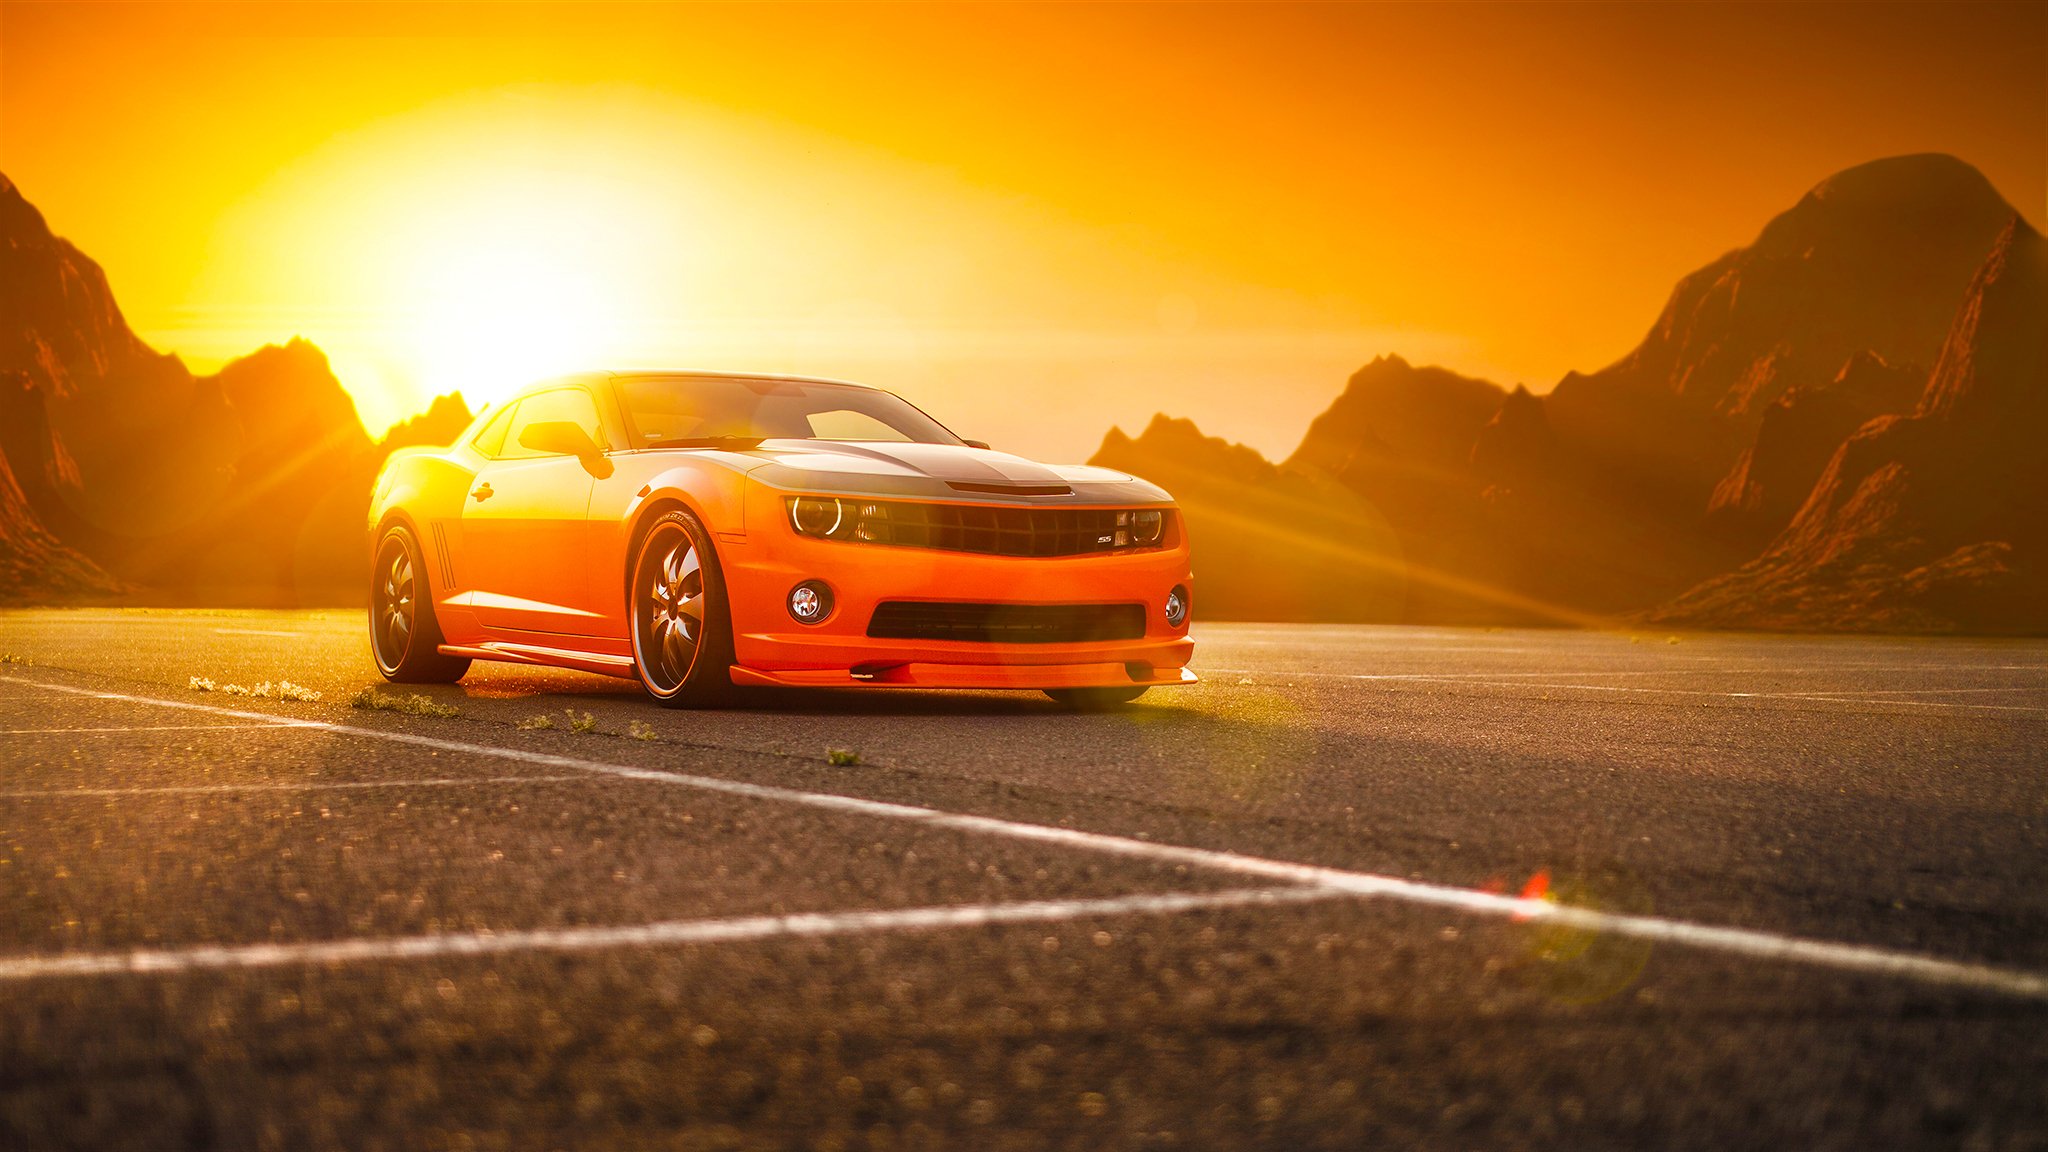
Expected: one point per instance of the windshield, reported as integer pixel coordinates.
(679, 411)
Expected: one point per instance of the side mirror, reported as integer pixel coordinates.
(975, 443)
(564, 438)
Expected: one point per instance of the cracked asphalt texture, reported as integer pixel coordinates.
(1883, 792)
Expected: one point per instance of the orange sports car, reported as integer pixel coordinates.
(701, 530)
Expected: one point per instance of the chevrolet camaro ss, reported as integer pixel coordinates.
(698, 531)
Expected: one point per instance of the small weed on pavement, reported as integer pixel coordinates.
(282, 690)
(373, 700)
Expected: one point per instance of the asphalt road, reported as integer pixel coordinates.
(1793, 894)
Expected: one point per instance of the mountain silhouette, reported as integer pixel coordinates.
(1796, 436)
(1834, 427)
(33, 560)
(1935, 520)
(438, 426)
(122, 468)
(1712, 475)
(1872, 259)
(1279, 543)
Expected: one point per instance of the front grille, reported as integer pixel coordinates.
(992, 531)
(1006, 623)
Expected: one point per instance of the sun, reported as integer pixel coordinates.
(490, 307)
(475, 249)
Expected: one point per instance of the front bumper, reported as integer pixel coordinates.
(770, 647)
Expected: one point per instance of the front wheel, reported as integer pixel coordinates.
(682, 634)
(404, 635)
(1095, 699)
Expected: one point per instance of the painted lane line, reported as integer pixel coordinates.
(1432, 649)
(1750, 943)
(1471, 682)
(1818, 697)
(1866, 699)
(301, 786)
(258, 632)
(183, 705)
(141, 728)
(1935, 691)
(157, 961)
(1762, 670)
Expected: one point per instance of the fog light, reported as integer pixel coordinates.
(1177, 606)
(810, 602)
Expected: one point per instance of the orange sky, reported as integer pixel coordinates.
(1033, 221)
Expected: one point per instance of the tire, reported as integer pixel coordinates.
(405, 637)
(1095, 699)
(678, 619)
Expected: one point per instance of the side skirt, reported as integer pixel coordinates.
(603, 665)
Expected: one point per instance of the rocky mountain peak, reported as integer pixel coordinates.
(1428, 414)
(1994, 364)
(1927, 197)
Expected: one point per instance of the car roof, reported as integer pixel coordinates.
(575, 378)
(701, 374)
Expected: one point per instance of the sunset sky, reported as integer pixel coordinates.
(1034, 221)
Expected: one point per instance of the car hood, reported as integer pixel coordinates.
(949, 462)
(950, 470)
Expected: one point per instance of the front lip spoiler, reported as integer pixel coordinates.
(1000, 676)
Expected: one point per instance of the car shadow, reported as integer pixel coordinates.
(557, 685)
(914, 702)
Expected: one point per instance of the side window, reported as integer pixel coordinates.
(491, 441)
(573, 405)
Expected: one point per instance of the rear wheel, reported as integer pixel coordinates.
(404, 635)
(1095, 699)
(682, 633)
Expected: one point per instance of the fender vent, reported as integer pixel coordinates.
(444, 555)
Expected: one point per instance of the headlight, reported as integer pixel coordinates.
(1146, 527)
(837, 518)
(872, 525)
(816, 515)
(1139, 529)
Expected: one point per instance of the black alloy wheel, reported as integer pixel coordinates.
(405, 637)
(682, 638)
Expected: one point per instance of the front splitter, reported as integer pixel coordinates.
(1001, 676)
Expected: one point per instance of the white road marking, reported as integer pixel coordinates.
(1864, 699)
(1235, 642)
(665, 933)
(1760, 670)
(1750, 943)
(298, 786)
(1937, 691)
(1488, 681)
(183, 705)
(142, 728)
(1816, 697)
(257, 632)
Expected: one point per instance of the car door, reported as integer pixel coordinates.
(525, 526)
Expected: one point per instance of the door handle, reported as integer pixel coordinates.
(483, 492)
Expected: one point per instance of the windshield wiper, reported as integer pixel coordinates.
(731, 443)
